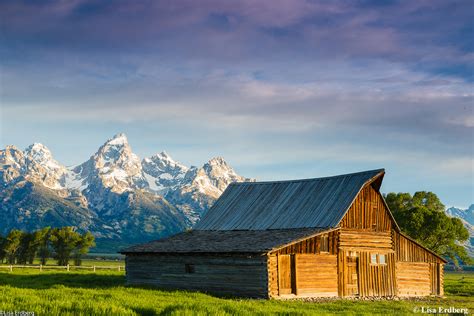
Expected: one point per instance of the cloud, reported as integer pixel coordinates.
(362, 82)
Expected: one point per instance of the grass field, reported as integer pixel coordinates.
(85, 262)
(104, 293)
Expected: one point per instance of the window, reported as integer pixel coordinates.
(189, 268)
(324, 247)
(373, 258)
(382, 259)
(377, 259)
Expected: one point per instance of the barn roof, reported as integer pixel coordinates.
(308, 203)
(226, 241)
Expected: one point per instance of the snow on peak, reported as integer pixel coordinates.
(163, 172)
(38, 152)
(118, 139)
(116, 165)
(217, 161)
(164, 161)
(42, 167)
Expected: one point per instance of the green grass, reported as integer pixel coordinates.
(104, 293)
(85, 262)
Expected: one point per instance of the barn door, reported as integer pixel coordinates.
(352, 275)
(435, 278)
(286, 274)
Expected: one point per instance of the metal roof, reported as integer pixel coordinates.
(308, 203)
(225, 241)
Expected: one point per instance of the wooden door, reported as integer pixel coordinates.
(435, 277)
(286, 274)
(352, 276)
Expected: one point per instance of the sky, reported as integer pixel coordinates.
(282, 89)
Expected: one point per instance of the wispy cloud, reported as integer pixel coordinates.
(288, 81)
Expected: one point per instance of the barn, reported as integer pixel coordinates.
(323, 237)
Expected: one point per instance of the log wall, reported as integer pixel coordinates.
(361, 240)
(314, 275)
(373, 279)
(237, 275)
(417, 268)
(413, 278)
(272, 268)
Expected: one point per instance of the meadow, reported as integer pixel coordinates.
(103, 293)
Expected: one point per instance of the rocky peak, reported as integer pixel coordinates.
(113, 166)
(43, 168)
(163, 172)
(12, 164)
(221, 174)
(116, 151)
(11, 155)
(162, 163)
(41, 155)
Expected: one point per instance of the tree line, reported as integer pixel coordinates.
(423, 217)
(62, 244)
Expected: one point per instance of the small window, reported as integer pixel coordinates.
(189, 268)
(324, 247)
(382, 259)
(373, 258)
(353, 254)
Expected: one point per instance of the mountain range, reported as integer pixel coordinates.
(467, 218)
(117, 196)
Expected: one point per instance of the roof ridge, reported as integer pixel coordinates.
(307, 179)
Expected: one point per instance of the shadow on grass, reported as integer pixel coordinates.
(48, 280)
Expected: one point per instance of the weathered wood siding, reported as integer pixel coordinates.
(312, 245)
(419, 272)
(237, 275)
(441, 279)
(371, 279)
(313, 275)
(413, 278)
(377, 279)
(272, 268)
(360, 240)
(409, 251)
(316, 275)
(366, 230)
(368, 212)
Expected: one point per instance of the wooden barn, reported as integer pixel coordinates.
(323, 237)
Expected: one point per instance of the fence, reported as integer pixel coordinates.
(67, 268)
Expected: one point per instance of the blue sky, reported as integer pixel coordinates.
(281, 89)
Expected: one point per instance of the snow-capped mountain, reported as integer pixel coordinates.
(114, 166)
(163, 173)
(35, 163)
(114, 194)
(13, 166)
(467, 214)
(200, 187)
(467, 218)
